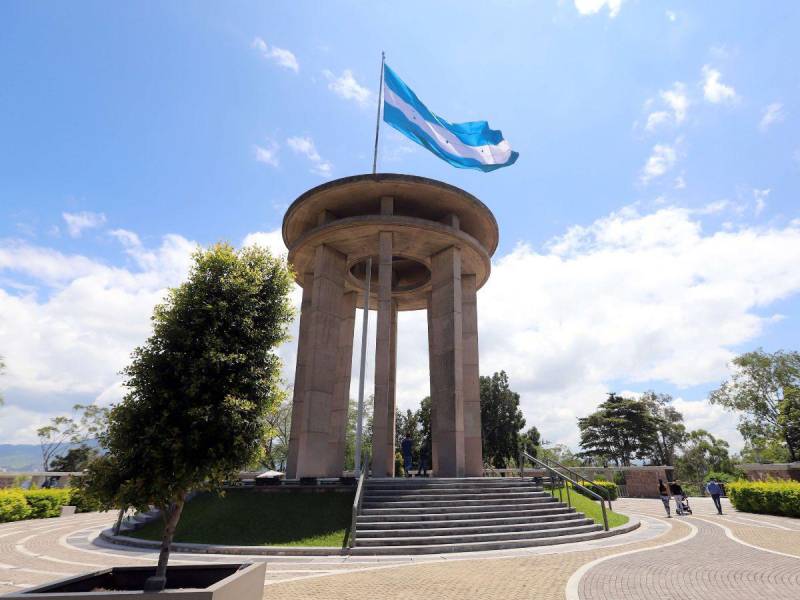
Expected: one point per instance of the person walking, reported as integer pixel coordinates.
(715, 490)
(663, 493)
(424, 456)
(677, 493)
(407, 447)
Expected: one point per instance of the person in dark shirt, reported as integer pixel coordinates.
(406, 447)
(677, 493)
(663, 493)
(715, 490)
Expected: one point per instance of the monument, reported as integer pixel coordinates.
(431, 245)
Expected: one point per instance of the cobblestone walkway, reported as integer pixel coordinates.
(703, 556)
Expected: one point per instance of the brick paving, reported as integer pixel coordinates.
(709, 565)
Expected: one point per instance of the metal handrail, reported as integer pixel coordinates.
(580, 477)
(359, 498)
(574, 483)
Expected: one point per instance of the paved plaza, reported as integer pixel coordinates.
(703, 556)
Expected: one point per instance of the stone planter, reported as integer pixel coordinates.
(238, 581)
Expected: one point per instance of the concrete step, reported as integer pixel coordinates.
(476, 546)
(445, 483)
(440, 491)
(374, 496)
(455, 508)
(448, 530)
(503, 501)
(419, 540)
(452, 515)
(472, 522)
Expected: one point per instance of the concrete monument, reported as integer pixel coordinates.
(431, 245)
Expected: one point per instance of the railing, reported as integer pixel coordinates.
(359, 498)
(557, 465)
(556, 477)
(493, 472)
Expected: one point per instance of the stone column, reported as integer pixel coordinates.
(320, 370)
(391, 410)
(433, 459)
(382, 436)
(447, 363)
(298, 396)
(341, 395)
(473, 451)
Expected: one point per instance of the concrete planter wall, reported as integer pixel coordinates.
(239, 581)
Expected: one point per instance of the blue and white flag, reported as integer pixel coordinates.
(465, 145)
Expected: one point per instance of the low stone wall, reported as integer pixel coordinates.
(757, 472)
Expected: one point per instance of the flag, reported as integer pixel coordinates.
(471, 145)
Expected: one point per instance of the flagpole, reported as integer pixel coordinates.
(378, 119)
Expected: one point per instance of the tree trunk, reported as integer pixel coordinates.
(171, 518)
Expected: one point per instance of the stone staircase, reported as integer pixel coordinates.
(430, 516)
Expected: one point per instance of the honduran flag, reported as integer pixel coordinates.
(465, 145)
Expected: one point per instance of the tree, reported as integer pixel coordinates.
(64, 431)
(562, 454)
(670, 430)
(199, 389)
(279, 424)
(531, 440)
(76, 459)
(760, 388)
(501, 420)
(621, 429)
(702, 454)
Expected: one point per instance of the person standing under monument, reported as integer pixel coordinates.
(407, 448)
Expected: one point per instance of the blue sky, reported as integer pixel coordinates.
(652, 214)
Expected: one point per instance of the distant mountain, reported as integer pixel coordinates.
(20, 457)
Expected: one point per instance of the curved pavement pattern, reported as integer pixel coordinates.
(703, 556)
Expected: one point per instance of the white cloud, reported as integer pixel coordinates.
(772, 114)
(80, 221)
(661, 160)
(671, 15)
(305, 146)
(279, 56)
(632, 299)
(271, 240)
(676, 100)
(760, 197)
(591, 7)
(267, 154)
(713, 89)
(345, 86)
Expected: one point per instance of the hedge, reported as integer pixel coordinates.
(770, 497)
(606, 489)
(17, 504)
(13, 506)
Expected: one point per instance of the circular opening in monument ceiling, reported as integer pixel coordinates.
(407, 274)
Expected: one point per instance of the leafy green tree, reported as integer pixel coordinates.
(501, 420)
(279, 421)
(702, 454)
(199, 389)
(670, 430)
(409, 423)
(621, 429)
(562, 454)
(760, 388)
(531, 440)
(76, 459)
(63, 431)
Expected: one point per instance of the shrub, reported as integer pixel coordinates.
(13, 506)
(769, 497)
(82, 501)
(606, 489)
(46, 503)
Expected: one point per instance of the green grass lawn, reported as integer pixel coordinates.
(591, 508)
(250, 518)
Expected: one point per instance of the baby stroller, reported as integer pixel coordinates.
(685, 508)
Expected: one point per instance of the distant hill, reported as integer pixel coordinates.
(20, 457)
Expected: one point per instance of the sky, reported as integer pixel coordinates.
(649, 232)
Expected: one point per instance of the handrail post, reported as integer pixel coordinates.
(605, 516)
(569, 500)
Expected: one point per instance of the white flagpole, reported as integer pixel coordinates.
(378, 119)
(364, 326)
